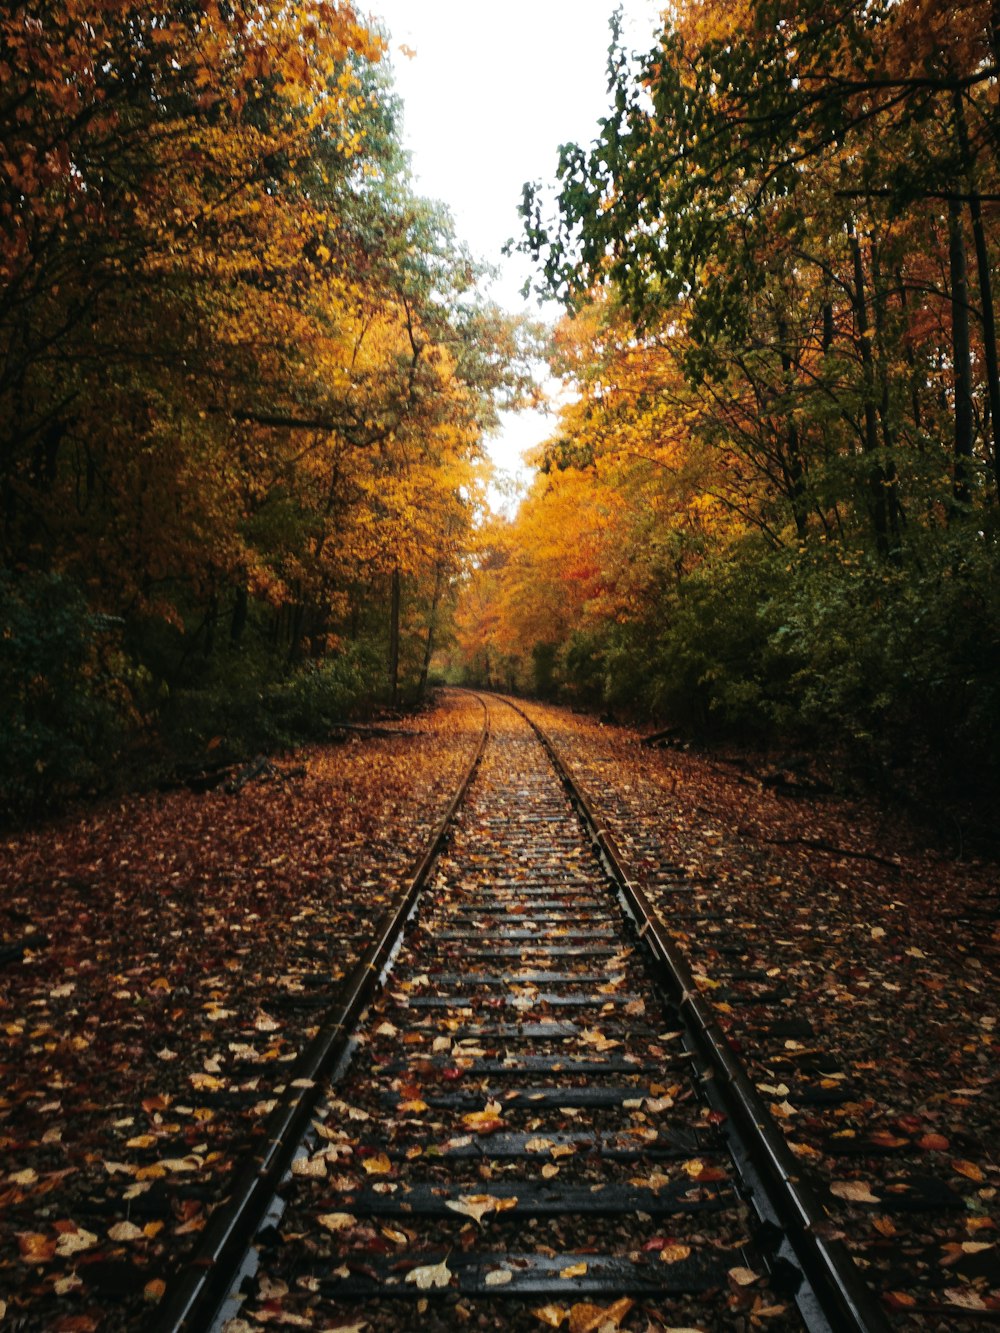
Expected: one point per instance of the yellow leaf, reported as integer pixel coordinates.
(379, 1165)
(574, 1270)
(552, 1316)
(673, 1254)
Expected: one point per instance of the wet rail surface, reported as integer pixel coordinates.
(527, 1122)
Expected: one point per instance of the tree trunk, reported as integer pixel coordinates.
(985, 283)
(394, 639)
(431, 627)
(961, 351)
(238, 622)
(792, 464)
(876, 477)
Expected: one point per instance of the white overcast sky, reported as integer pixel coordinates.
(491, 93)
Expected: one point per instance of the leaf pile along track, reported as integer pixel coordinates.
(912, 1206)
(529, 1125)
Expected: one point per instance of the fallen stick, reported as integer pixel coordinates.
(819, 845)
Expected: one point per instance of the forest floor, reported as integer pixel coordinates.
(185, 935)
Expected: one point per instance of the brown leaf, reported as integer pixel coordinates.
(854, 1191)
(969, 1170)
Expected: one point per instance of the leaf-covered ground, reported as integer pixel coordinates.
(886, 946)
(192, 941)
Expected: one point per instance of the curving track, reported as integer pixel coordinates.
(536, 1114)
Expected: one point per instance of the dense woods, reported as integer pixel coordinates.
(772, 508)
(246, 373)
(245, 376)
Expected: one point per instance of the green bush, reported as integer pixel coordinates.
(244, 706)
(65, 714)
(889, 663)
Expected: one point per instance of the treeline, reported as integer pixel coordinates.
(772, 510)
(244, 381)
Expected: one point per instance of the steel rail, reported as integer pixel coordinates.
(843, 1295)
(197, 1293)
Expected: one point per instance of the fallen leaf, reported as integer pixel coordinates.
(499, 1277)
(587, 1318)
(965, 1298)
(743, 1277)
(673, 1254)
(854, 1191)
(477, 1206)
(125, 1231)
(313, 1168)
(969, 1170)
(337, 1221)
(552, 1316)
(549, 1171)
(574, 1270)
(379, 1165)
(487, 1121)
(72, 1242)
(430, 1276)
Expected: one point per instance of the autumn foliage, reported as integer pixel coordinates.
(244, 376)
(772, 506)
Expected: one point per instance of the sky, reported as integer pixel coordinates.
(489, 95)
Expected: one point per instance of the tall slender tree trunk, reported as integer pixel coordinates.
(394, 600)
(876, 477)
(793, 465)
(431, 628)
(990, 357)
(961, 348)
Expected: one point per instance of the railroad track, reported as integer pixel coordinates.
(534, 1115)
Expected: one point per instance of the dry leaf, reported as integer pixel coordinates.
(743, 1277)
(549, 1171)
(854, 1191)
(414, 1107)
(379, 1165)
(487, 1121)
(313, 1168)
(574, 1270)
(125, 1231)
(337, 1221)
(673, 1254)
(588, 1318)
(477, 1206)
(965, 1298)
(499, 1277)
(969, 1170)
(430, 1276)
(72, 1242)
(552, 1316)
